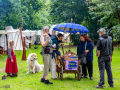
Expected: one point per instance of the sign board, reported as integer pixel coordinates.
(71, 65)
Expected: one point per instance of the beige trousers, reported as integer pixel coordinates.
(53, 68)
(49, 62)
(46, 61)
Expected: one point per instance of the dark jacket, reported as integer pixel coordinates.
(89, 46)
(55, 41)
(105, 45)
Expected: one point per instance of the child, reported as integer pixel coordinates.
(11, 63)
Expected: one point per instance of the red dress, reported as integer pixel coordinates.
(11, 67)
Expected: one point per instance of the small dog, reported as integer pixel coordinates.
(33, 64)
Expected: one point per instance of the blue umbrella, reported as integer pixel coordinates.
(71, 28)
(65, 27)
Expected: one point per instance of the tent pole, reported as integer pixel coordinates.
(20, 45)
(30, 40)
(6, 41)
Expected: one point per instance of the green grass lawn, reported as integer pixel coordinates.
(26, 81)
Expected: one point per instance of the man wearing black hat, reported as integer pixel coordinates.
(104, 53)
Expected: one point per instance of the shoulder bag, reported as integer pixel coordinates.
(82, 57)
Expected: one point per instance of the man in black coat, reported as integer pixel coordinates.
(104, 53)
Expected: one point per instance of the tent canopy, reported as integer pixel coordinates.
(39, 32)
(12, 34)
(51, 29)
(31, 36)
(8, 32)
(29, 33)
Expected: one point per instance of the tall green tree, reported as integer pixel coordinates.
(35, 13)
(29, 10)
(109, 13)
(8, 13)
(64, 10)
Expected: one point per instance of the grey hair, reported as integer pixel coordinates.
(46, 27)
(101, 30)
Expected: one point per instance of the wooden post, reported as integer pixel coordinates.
(62, 48)
(30, 40)
(22, 21)
(24, 50)
(29, 45)
(23, 44)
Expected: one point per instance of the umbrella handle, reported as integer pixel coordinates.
(70, 38)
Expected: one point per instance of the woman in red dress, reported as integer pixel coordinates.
(11, 63)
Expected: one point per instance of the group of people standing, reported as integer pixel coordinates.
(86, 45)
(50, 47)
(104, 54)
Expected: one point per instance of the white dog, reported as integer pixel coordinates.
(33, 64)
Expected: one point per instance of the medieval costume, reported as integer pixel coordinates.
(11, 67)
(55, 40)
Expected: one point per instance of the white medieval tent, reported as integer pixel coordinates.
(31, 36)
(38, 36)
(12, 34)
(51, 29)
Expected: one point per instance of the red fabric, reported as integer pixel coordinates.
(57, 66)
(11, 67)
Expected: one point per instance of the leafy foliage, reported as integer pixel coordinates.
(34, 13)
(64, 10)
(93, 14)
(109, 13)
(7, 10)
(75, 38)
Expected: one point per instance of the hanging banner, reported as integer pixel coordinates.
(71, 65)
